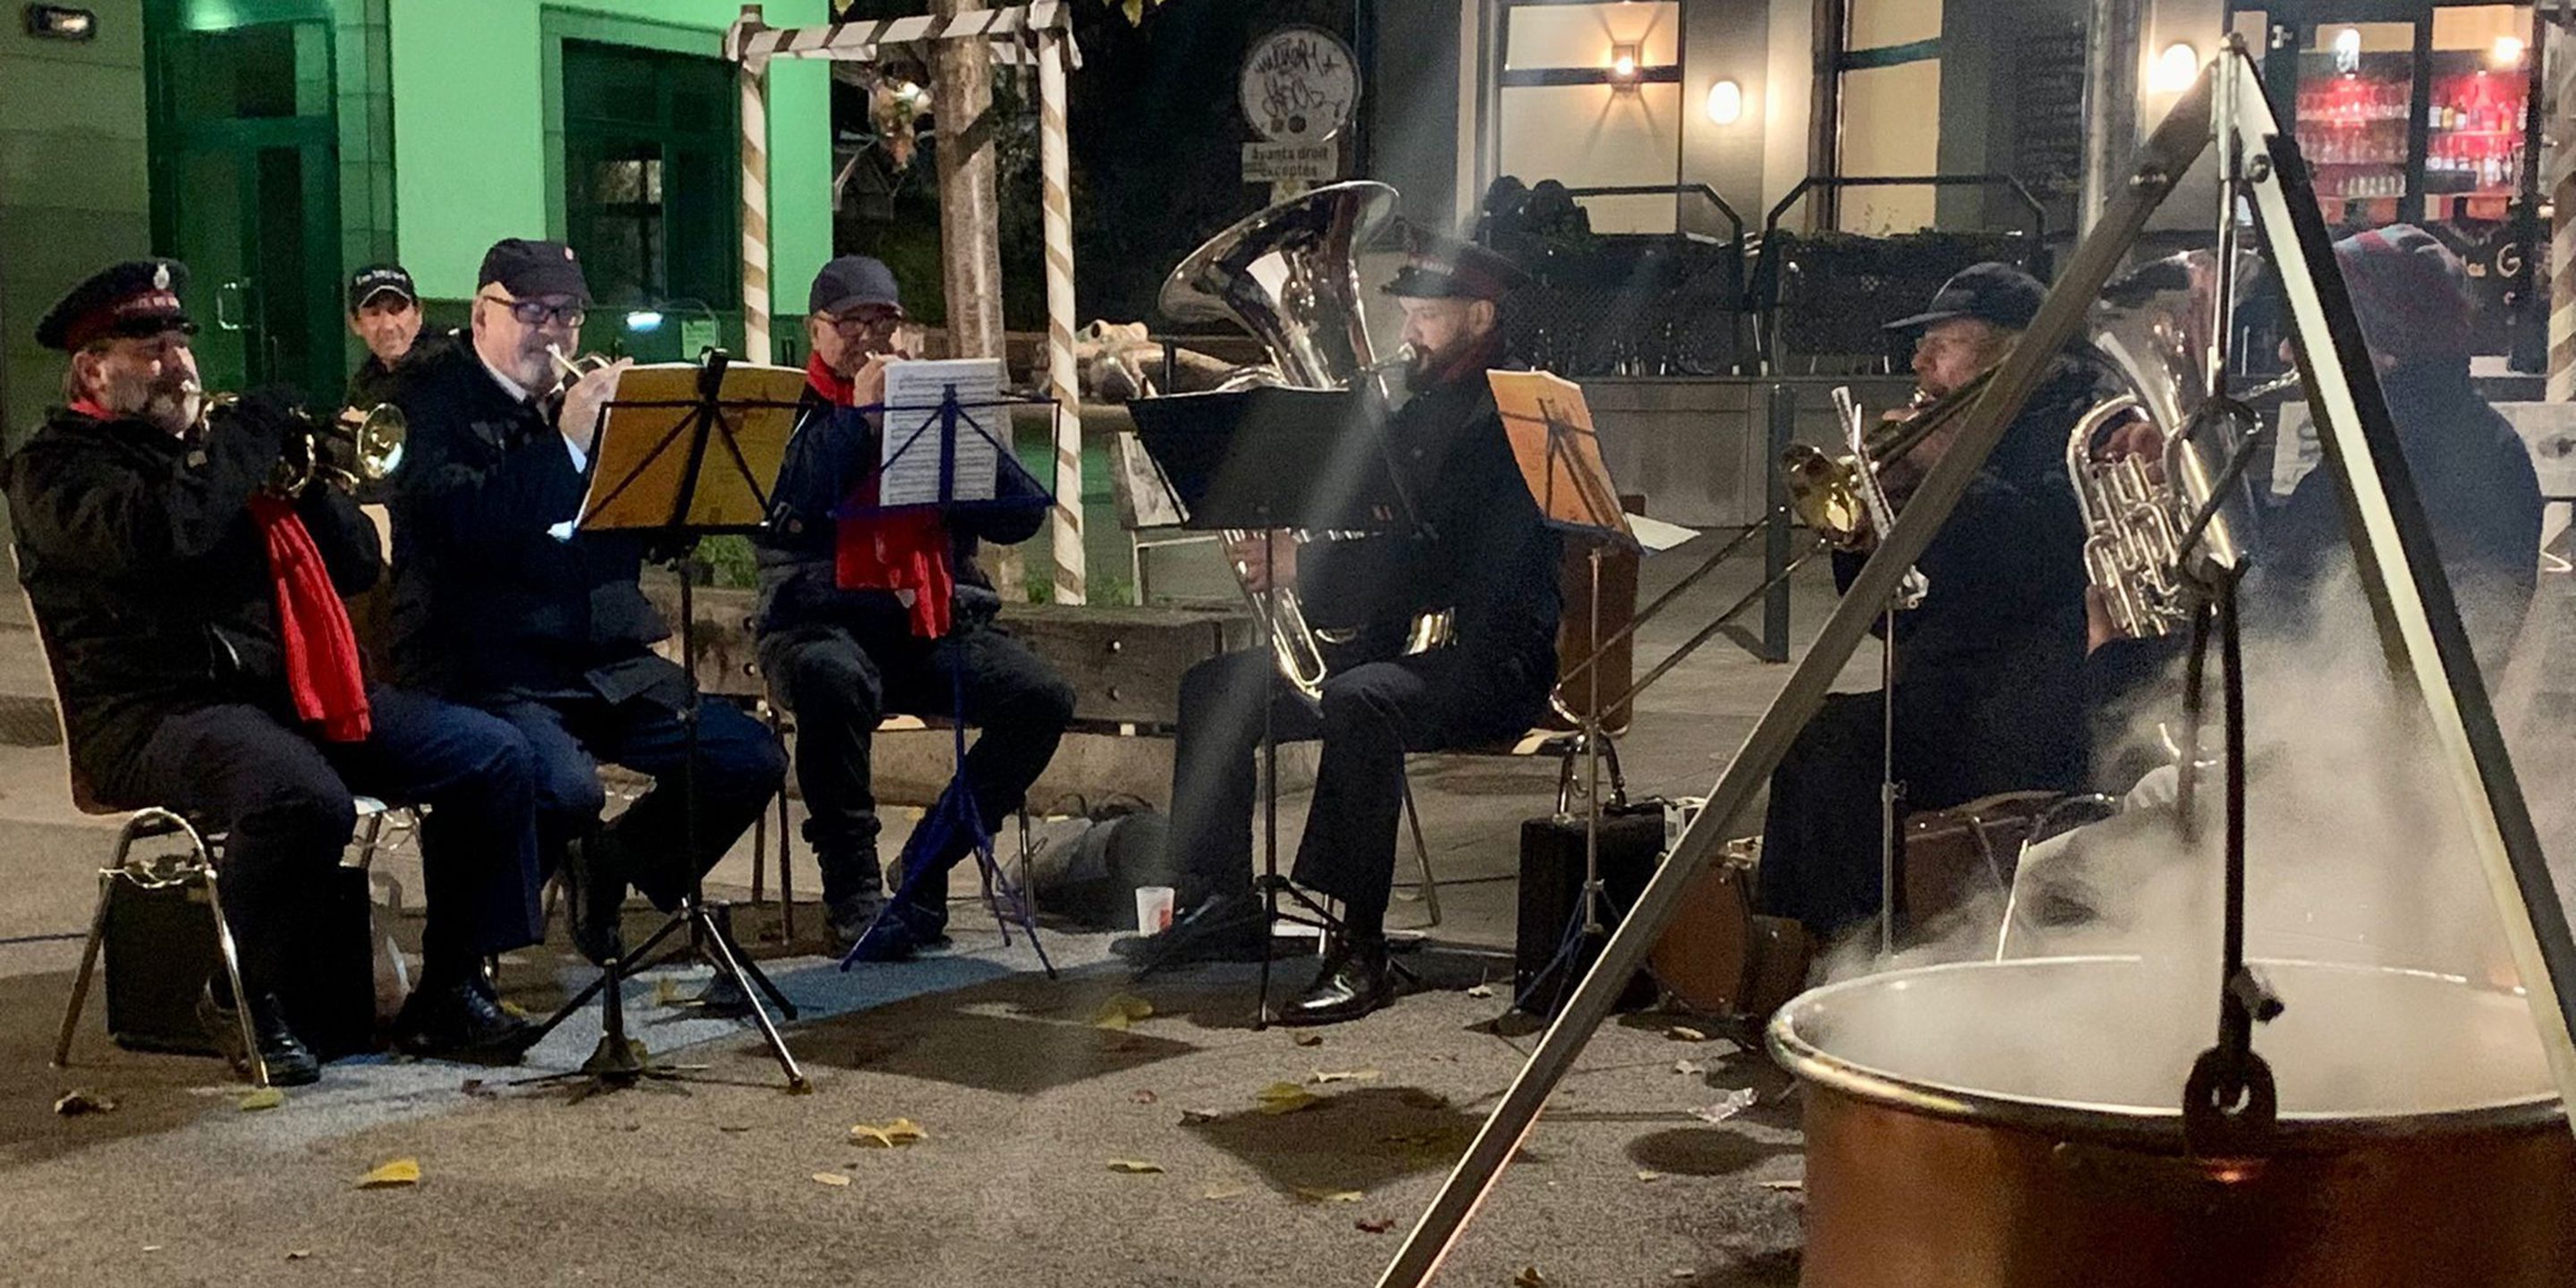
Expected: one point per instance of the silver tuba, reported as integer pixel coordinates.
(1290, 276)
(2153, 326)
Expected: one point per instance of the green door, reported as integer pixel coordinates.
(246, 191)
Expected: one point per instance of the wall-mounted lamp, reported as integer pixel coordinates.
(1726, 102)
(2176, 68)
(1623, 66)
(60, 22)
(2506, 52)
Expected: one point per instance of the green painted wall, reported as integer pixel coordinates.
(471, 80)
(73, 187)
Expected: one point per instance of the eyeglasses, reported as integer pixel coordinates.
(538, 312)
(872, 322)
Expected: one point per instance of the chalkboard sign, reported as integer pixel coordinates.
(2048, 151)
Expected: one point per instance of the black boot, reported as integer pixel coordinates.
(1231, 927)
(455, 1016)
(1356, 980)
(594, 893)
(290, 1063)
(853, 892)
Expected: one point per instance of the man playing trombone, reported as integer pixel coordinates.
(1987, 695)
(1481, 553)
(499, 601)
(189, 606)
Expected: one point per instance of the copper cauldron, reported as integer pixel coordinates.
(2017, 1124)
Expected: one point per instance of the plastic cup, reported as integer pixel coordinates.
(1153, 909)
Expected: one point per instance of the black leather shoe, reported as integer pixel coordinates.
(290, 1063)
(1356, 980)
(844, 920)
(594, 891)
(1220, 928)
(461, 1021)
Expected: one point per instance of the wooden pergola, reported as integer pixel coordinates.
(1039, 33)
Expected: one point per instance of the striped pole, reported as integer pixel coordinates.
(1055, 196)
(2558, 180)
(752, 78)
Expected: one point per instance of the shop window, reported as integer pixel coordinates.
(651, 175)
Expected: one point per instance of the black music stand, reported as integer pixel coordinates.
(936, 430)
(1549, 426)
(1260, 460)
(687, 470)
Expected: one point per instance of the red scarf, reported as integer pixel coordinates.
(905, 551)
(321, 652)
(313, 634)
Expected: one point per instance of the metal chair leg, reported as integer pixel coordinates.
(88, 964)
(1422, 859)
(231, 955)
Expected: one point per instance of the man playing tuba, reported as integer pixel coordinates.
(1480, 552)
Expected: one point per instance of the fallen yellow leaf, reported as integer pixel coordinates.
(1189, 1116)
(1324, 1194)
(1308, 1038)
(1134, 1166)
(1284, 1098)
(1481, 990)
(1324, 1077)
(1120, 1011)
(833, 1179)
(1784, 1185)
(401, 1171)
(1223, 1192)
(1685, 1033)
(1529, 1277)
(1650, 1177)
(262, 1098)
(893, 1135)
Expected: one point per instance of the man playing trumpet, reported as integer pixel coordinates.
(191, 614)
(1987, 695)
(500, 602)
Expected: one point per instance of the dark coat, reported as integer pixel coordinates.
(828, 455)
(1480, 548)
(487, 601)
(373, 381)
(1994, 655)
(148, 575)
(2480, 493)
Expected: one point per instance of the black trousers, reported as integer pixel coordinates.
(1821, 835)
(840, 683)
(285, 798)
(1371, 715)
(738, 770)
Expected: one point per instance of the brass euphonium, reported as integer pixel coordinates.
(2155, 529)
(1290, 276)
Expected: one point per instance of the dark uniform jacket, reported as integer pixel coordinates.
(487, 601)
(148, 575)
(827, 458)
(1990, 665)
(1480, 548)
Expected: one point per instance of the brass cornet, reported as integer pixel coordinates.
(370, 442)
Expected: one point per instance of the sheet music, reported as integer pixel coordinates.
(909, 460)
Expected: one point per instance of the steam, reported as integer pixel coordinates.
(2356, 855)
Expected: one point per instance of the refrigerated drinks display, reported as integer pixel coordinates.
(2418, 113)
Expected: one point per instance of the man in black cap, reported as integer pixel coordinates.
(190, 612)
(384, 313)
(1480, 553)
(500, 602)
(1988, 693)
(865, 614)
